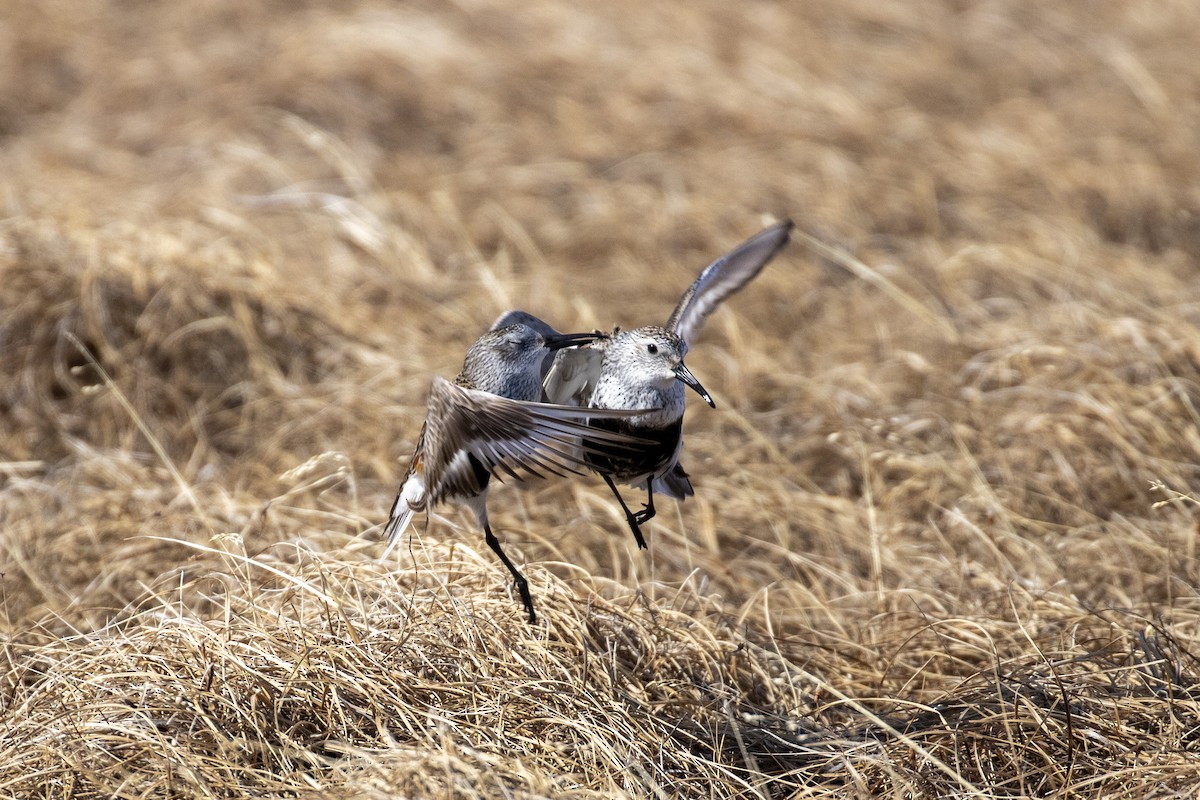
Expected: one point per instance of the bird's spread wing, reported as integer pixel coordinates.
(471, 434)
(725, 276)
(573, 377)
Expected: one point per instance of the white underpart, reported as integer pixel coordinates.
(412, 498)
(478, 504)
(459, 462)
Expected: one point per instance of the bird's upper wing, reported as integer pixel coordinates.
(725, 276)
(507, 437)
(573, 376)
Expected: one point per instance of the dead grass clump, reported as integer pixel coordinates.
(1065, 722)
(205, 361)
(315, 673)
(343, 667)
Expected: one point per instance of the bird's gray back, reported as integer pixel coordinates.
(519, 317)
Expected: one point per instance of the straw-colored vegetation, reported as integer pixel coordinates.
(943, 540)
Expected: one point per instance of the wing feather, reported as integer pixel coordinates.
(573, 375)
(723, 277)
(467, 429)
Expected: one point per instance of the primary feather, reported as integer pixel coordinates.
(723, 277)
(470, 436)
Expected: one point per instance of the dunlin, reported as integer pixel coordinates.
(488, 422)
(643, 368)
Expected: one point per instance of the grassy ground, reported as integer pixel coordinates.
(942, 541)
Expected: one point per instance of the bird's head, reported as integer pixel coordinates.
(654, 355)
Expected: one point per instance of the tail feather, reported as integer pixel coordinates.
(675, 483)
(410, 500)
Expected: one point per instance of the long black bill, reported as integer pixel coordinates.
(684, 374)
(557, 341)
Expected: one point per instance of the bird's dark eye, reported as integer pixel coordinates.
(652, 348)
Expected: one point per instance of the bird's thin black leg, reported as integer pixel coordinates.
(518, 578)
(647, 513)
(630, 517)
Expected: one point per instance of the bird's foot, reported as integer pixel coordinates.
(633, 521)
(526, 598)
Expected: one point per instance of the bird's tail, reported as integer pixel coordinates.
(410, 500)
(675, 483)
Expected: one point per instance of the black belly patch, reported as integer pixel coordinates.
(646, 459)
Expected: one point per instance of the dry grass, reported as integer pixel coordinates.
(943, 542)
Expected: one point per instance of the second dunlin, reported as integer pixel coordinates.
(643, 368)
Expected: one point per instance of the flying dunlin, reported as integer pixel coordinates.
(643, 368)
(488, 422)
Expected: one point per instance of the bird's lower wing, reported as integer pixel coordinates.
(471, 435)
